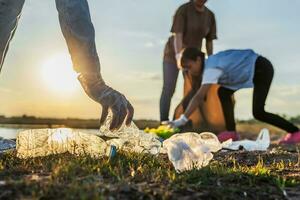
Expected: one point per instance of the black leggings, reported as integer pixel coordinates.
(262, 80)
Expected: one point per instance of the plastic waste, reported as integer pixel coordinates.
(6, 145)
(262, 143)
(44, 142)
(189, 151)
(130, 138)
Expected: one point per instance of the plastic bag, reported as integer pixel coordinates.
(191, 150)
(262, 143)
(44, 142)
(6, 145)
(130, 138)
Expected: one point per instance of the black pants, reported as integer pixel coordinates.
(262, 80)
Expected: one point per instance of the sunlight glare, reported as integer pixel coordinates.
(58, 74)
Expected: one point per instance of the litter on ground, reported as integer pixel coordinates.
(186, 151)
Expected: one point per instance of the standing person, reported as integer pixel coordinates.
(192, 23)
(234, 70)
(79, 33)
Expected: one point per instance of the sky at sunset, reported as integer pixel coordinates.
(37, 77)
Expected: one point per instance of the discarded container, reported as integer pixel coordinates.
(262, 143)
(6, 145)
(44, 142)
(138, 141)
(191, 150)
(130, 138)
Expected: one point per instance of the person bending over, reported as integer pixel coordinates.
(234, 70)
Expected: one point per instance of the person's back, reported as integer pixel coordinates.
(236, 67)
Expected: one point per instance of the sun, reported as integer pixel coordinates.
(58, 74)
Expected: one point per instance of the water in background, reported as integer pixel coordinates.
(8, 133)
(11, 133)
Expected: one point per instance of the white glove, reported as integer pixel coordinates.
(178, 57)
(109, 98)
(179, 122)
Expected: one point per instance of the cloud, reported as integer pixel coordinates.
(10, 91)
(144, 101)
(150, 76)
(150, 40)
(5, 90)
(138, 34)
(155, 43)
(143, 76)
(149, 44)
(282, 99)
(287, 91)
(146, 108)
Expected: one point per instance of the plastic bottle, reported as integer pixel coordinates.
(44, 142)
(130, 138)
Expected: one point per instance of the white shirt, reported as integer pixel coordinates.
(211, 76)
(232, 69)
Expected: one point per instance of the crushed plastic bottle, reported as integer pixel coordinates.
(130, 138)
(189, 151)
(44, 142)
(262, 143)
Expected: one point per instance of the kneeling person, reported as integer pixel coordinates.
(234, 70)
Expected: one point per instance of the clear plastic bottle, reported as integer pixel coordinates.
(44, 142)
(130, 138)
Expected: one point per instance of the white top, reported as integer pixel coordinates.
(232, 69)
(211, 76)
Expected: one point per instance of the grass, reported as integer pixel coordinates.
(231, 175)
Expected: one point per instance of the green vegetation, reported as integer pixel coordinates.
(163, 131)
(231, 175)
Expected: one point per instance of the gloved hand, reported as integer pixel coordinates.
(178, 57)
(179, 122)
(109, 98)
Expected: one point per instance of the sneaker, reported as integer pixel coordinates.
(165, 122)
(285, 139)
(226, 135)
(291, 138)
